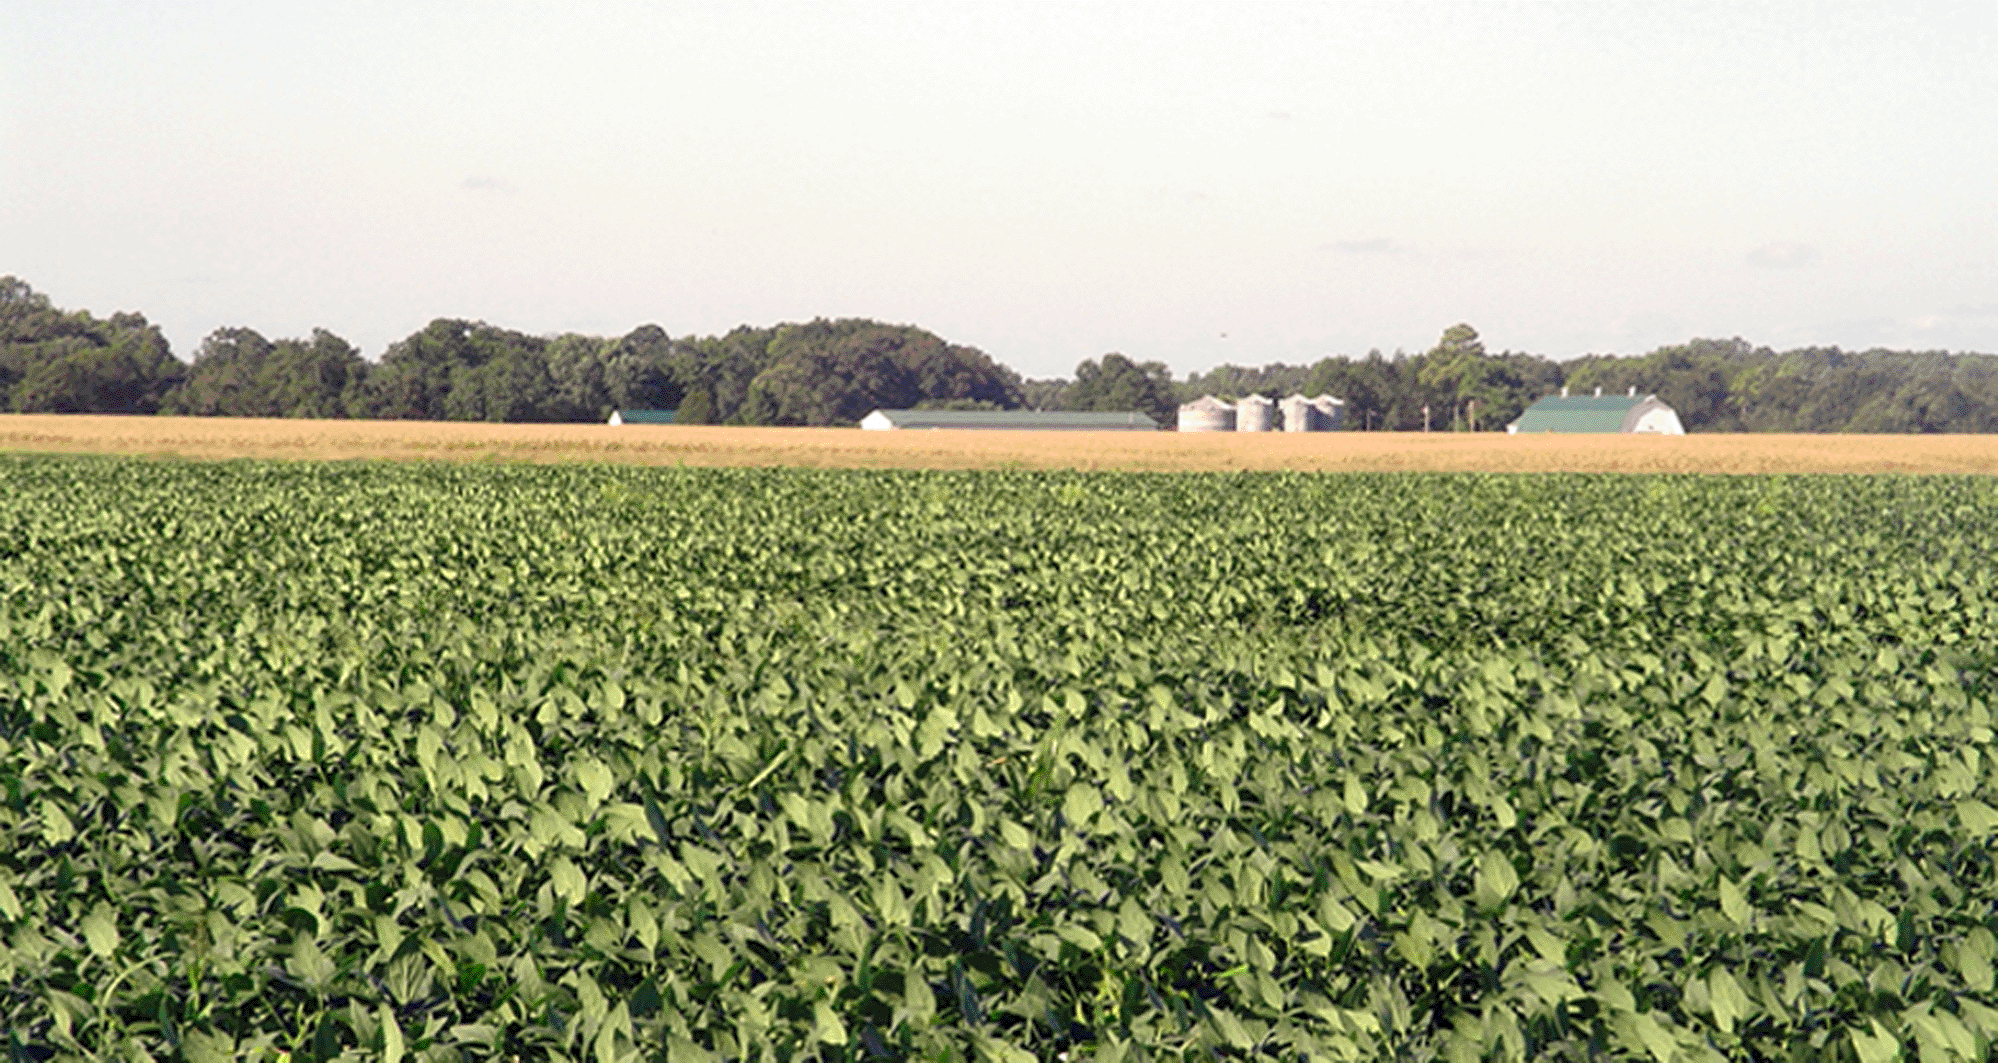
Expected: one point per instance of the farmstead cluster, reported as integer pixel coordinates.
(360, 760)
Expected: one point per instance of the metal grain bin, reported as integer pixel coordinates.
(1298, 413)
(1330, 411)
(1254, 413)
(1207, 414)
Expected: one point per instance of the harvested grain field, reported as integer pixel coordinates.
(205, 437)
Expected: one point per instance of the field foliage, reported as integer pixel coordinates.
(831, 448)
(459, 761)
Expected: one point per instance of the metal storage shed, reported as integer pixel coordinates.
(1298, 413)
(642, 417)
(1008, 420)
(1207, 414)
(1254, 413)
(1600, 413)
(1330, 411)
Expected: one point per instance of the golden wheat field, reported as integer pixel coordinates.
(208, 438)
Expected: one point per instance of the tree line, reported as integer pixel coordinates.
(1714, 385)
(1457, 385)
(834, 372)
(819, 373)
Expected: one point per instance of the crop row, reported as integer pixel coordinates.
(482, 762)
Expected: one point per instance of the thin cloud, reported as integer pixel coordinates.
(485, 184)
(1783, 255)
(1377, 246)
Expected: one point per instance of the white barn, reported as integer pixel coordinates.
(1599, 413)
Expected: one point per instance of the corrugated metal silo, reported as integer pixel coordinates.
(1330, 410)
(1207, 414)
(1254, 413)
(1298, 413)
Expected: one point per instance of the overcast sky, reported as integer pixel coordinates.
(1191, 183)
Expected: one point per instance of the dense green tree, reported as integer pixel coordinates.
(512, 385)
(1456, 372)
(127, 375)
(57, 362)
(456, 370)
(1273, 381)
(952, 373)
(1375, 389)
(579, 386)
(722, 367)
(239, 373)
(1045, 394)
(835, 372)
(1391, 392)
(1730, 386)
(818, 377)
(589, 376)
(1117, 384)
(639, 371)
(1470, 388)
(696, 408)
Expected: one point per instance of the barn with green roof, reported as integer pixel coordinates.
(641, 417)
(1009, 420)
(1599, 413)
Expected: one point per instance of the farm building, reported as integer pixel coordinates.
(641, 417)
(1328, 413)
(1296, 411)
(1254, 413)
(1609, 414)
(1009, 420)
(1318, 414)
(1207, 414)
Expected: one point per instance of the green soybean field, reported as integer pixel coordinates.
(316, 760)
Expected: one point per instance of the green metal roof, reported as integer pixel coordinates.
(1579, 413)
(1018, 420)
(647, 416)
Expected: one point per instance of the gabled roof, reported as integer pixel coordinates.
(1584, 413)
(1208, 402)
(1010, 420)
(643, 416)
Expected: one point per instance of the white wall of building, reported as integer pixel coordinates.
(1659, 418)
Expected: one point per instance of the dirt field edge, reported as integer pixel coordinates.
(222, 438)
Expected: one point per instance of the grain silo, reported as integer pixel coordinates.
(1207, 414)
(1298, 413)
(1254, 413)
(1329, 410)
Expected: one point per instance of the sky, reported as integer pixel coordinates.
(1188, 183)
